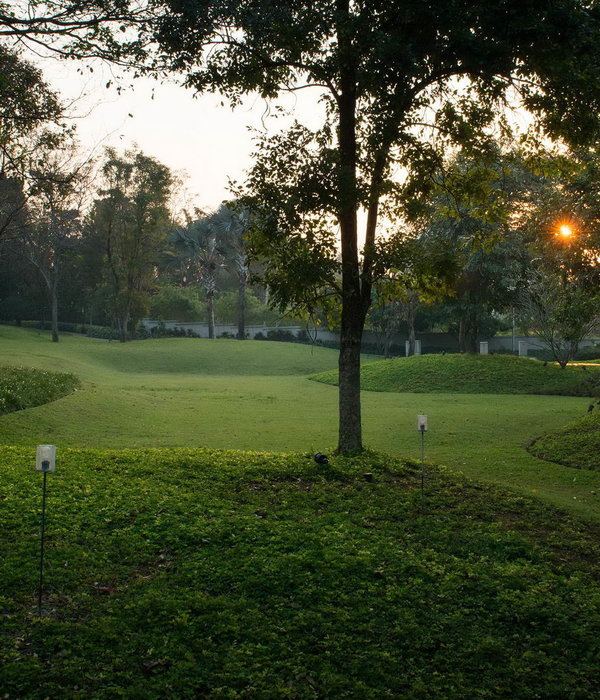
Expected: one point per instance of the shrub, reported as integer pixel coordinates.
(104, 332)
(591, 353)
(24, 388)
(281, 335)
(178, 303)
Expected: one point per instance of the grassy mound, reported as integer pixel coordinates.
(174, 573)
(576, 445)
(472, 374)
(24, 388)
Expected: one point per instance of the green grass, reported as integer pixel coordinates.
(473, 374)
(272, 408)
(576, 444)
(26, 387)
(206, 574)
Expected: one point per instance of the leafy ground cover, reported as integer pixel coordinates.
(473, 374)
(273, 407)
(576, 444)
(195, 573)
(24, 387)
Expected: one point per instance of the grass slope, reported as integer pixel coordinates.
(25, 387)
(195, 573)
(481, 435)
(472, 374)
(94, 358)
(577, 444)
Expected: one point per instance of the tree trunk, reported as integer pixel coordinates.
(472, 334)
(353, 315)
(461, 334)
(122, 319)
(122, 322)
(410, 314)
(242, 307)
(54, 297)
(411, 339)
(387, 344)
(350, 429)
(210, 308)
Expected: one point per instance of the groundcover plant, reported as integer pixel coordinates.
(200, 573)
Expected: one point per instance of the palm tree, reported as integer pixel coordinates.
(198, 242)
(230, 225)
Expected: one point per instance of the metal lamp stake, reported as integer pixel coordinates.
(41, 583)
(422, 428)
(45, 462)
(422, 463)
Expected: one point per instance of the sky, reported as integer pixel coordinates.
(198, 136)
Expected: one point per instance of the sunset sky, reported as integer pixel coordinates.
(200, 136)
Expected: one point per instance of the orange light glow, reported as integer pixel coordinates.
(565, 231)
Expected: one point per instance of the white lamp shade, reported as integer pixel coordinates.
(45, 459)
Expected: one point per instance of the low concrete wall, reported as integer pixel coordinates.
(505, 342)
(429, 341)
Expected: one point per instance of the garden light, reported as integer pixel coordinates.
(320, 458)
(45, 461)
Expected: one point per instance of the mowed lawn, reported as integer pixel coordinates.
(256, 396)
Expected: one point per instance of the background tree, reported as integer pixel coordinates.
(475, 215)
(181, 304)
(48, 240)
(415, 270)
(561, 299)
(561, 311)
(51, 230)
(231, 224)
(129, 224)
(198, 243)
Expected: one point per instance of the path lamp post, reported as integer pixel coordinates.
(45, 462)
(422, 428)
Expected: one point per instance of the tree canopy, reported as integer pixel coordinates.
(401, 83)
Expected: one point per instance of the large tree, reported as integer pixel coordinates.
(392, 74)
(384, 68)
